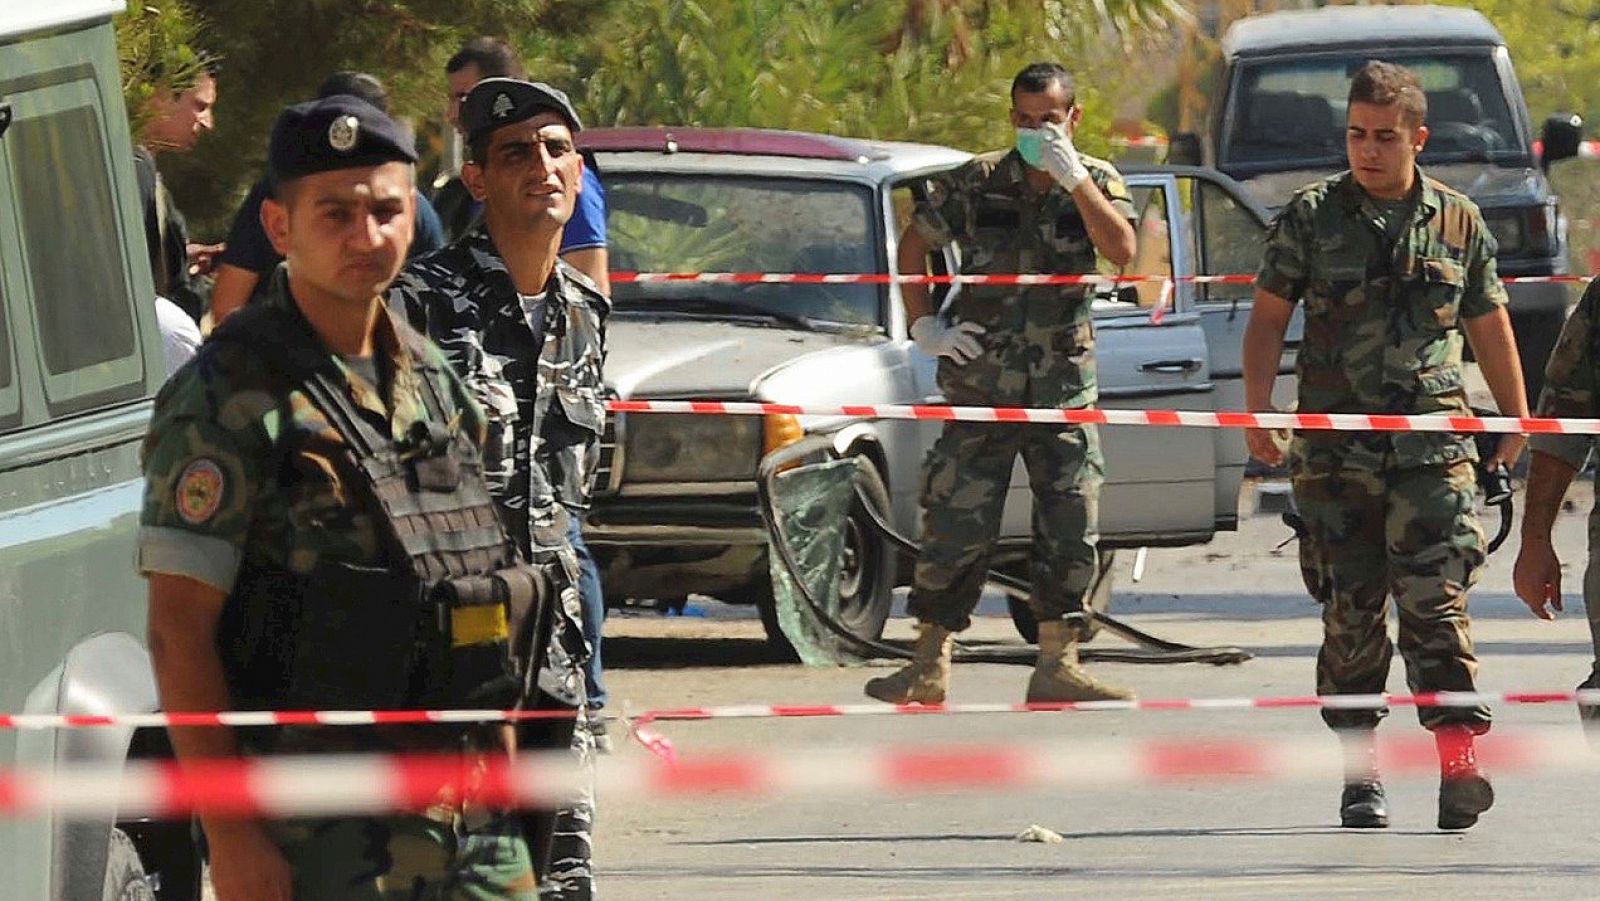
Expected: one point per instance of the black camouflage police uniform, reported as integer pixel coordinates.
(534, 363)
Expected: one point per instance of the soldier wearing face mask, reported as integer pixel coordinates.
(1039, 207)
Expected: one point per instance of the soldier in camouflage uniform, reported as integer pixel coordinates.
(1392, 268)
(248, 473)
(1571, 390)
(526, 331)
(1038, 208)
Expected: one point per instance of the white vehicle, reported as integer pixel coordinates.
(677, 501)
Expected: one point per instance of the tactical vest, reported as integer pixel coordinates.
(451, 619)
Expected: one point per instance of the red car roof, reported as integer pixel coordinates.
(752, 141)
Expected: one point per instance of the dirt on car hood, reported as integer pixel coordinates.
(669, 356)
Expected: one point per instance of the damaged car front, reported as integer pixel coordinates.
(676, 510)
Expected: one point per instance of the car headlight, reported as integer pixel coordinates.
(673, 447)
(1508, 231)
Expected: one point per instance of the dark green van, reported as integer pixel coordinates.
(80, 360)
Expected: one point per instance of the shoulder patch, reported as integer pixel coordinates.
(199, 491)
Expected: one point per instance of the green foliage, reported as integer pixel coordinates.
(1555, 46)
(924, 70)
(927, 70)
(158, 46)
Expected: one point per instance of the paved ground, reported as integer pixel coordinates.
(1258, 840)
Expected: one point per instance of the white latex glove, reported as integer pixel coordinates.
(1061, 158)
(959, 342)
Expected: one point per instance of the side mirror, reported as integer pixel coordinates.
(5, 117)
(1184, 149)
(1562, 137)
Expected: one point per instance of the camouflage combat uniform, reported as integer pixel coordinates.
(1390, 512)
(1038, 352)
(1572, 390)
(535, 365)
(239, 470)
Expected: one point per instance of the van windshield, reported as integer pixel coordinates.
(1290, 114)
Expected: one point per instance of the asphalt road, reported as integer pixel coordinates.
(1225, 840)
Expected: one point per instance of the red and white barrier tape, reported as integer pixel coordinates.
(1016, 279)
(1331, 702)
(242, 718)
(325, 785)
(1206, 419)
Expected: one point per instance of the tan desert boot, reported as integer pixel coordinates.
(926, 678)
(1058, 677)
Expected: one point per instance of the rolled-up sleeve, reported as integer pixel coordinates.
(1570, 383)
(204, 458)
(1284, 265)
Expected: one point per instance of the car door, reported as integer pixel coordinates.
(1158, 481)
(1158, 486)
(1223, 235)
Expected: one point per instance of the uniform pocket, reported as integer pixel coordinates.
(583, 408)
(1441, 282)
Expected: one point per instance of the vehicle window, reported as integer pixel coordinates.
(903, 199)
(76, 271)
(1230, 240)
(1293, 111)
(737, 224)
(1152, 255)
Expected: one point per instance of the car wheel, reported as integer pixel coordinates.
(1099, 601)
(125, 879)
(866, 579)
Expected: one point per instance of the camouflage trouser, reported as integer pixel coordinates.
(471, 856)
(1407, 532)
(964, 491)
(571, 873)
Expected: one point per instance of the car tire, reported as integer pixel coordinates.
(1099, 601)
(125, 878)
(867, 583)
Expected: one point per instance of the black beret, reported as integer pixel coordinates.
(337, 132)
(494, 102)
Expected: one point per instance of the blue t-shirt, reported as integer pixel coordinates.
(249, 248)
(587, 227)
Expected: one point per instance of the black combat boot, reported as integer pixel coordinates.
(1464, 793)
(1363, 804)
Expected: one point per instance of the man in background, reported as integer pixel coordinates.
(178, 118)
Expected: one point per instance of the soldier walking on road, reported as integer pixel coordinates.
(1040, 207)
(1392, 268)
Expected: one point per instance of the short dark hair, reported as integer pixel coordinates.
(356, 84)
(1037, 78)
(493, 57)
(1387, 84)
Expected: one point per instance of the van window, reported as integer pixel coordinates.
(1292, 110)
(76, 269)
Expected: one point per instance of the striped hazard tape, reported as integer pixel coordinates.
(325, 785)
(998, 279)
(1206, 419)
(786, 711)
